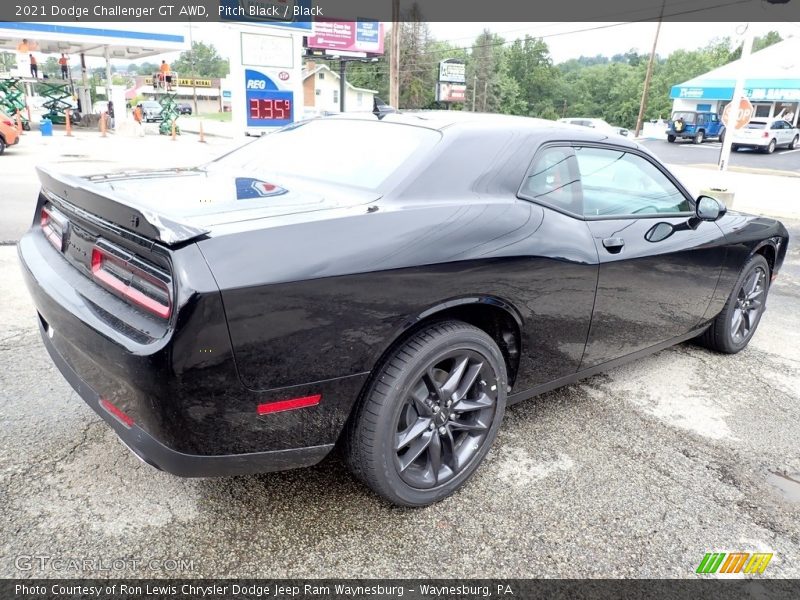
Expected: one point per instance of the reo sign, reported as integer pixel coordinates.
(742, 116)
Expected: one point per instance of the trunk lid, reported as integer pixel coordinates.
(173, 206)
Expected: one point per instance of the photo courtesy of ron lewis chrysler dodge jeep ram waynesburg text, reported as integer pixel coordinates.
(249, 314)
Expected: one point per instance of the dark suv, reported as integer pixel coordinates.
(184, 108)
(696, 126)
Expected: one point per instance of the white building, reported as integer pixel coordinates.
(321, 91)
(772, 83)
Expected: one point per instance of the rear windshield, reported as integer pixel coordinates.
(688, 117)
(361, 154)
(756, 125)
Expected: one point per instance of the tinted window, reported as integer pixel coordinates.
(688, 117)
(554, 179)
(756, 125)
(619, 183)
(346, 152)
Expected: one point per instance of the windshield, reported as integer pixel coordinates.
(341, 151)
(688, 117)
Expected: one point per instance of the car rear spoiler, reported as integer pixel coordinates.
(117, 208)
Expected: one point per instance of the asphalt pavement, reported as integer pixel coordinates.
(637, 472)
(782, 161)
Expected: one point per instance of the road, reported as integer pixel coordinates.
(707, 153)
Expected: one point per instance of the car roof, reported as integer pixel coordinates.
(452, 121)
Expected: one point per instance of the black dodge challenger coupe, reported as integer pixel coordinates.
(389, 284)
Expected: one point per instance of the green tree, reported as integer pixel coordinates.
(207, 62)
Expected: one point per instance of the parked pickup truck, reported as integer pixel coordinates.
(695, 126)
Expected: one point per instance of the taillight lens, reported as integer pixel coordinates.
(766, 134)
(53, 225)
(8, 124)
(146, 290)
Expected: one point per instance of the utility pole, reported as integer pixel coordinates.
(342, 88)
(649, 75)
(474, 90)
(194, 77)
(485, 87)
(738, 93)
(394, 63)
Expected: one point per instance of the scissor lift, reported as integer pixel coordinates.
(165, 95)
(56, 103)
(12, 99)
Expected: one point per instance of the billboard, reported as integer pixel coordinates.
(347, 36)
(451, 92)
(452, 70)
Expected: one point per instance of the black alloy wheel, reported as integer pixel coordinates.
(748, 305)
(734, 326)
(445, 419)
(429, 415)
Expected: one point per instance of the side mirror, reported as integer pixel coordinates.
(709, 209)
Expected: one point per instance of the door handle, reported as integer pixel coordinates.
(614, 244)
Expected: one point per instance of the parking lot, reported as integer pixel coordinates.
(634, 473)
(686, 153)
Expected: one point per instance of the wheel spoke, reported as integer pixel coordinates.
(416, 449)
(435, 454)
(469, 379)
(753, 295)
(736, 321)
(430, 382)
(454, 378)
(481, 402)
(460, 426)
(752, 282)
(419, 395)
(405, 437)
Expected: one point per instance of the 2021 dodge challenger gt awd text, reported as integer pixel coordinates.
(249, 314)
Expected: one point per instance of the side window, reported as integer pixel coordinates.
(554, 179)
(615, 182)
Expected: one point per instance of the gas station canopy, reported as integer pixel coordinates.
(114, 41)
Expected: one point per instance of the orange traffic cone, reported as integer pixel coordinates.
(68, 123)
(103, 125)
(202, 135)
(173, 131)
(19, 122)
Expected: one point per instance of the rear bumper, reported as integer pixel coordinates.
(190, 414)
(160, 456)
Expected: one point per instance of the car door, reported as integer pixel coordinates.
(659, 265)
(781, 133)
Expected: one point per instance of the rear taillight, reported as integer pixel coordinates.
(8, 124)
(766, 134)
(139, 284)
(53, 225)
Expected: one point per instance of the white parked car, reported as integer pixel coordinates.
(599, 124)
(766, 135)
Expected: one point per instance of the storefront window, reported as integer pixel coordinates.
(762, 110)
(787, 111)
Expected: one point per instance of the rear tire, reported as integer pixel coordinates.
(2, 145)
(670, 138)
(734, 326)
(771, 147)
(429, 415)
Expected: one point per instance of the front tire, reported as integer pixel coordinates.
(793, 143)
(429, 416)
(733, 328)
(700, 137)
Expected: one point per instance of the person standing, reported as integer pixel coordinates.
(64, 66)
(111, 114)
(166, 74)
(34, 67)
